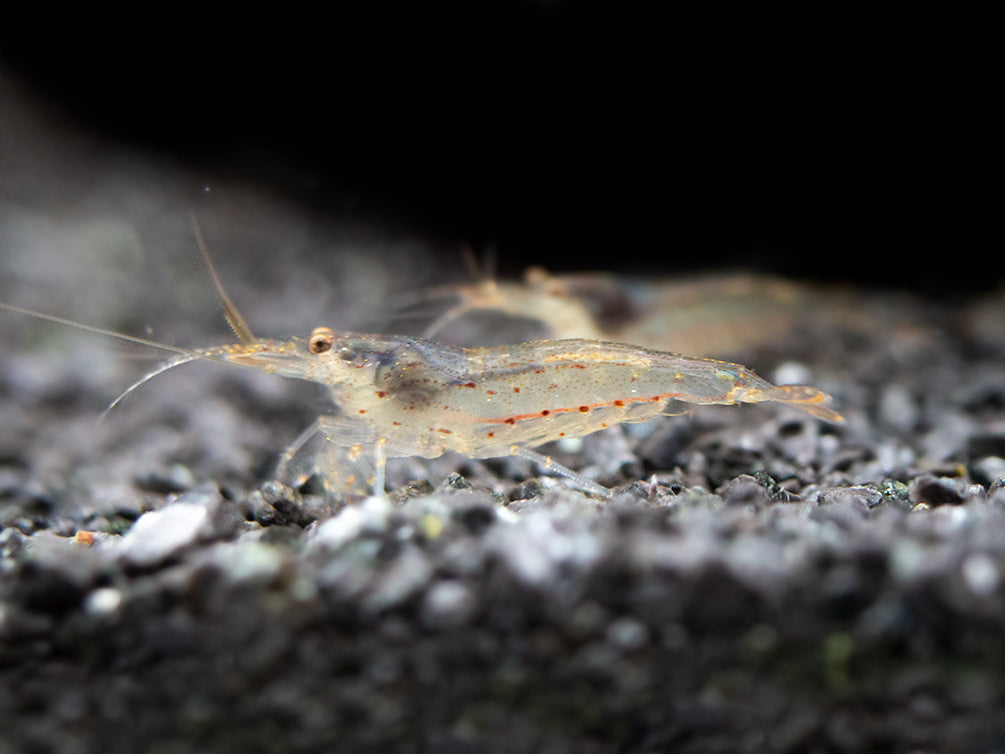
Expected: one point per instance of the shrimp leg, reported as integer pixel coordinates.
(547, 463)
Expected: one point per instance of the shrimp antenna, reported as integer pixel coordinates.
(175, 362)
(230, 310)
(483, 269)
(98, 330)
(183, 355)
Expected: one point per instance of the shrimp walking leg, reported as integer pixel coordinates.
(380, 462)
(295, 448)
(548, 464)
(347, 461)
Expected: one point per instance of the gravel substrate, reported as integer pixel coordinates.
(759, 582)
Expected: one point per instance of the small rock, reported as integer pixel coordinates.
(935, 491)
(177, 478)
(996, 495)
(981, 574)
(371, 515)
(200, 515)
(628, 634)
(898, 409)
(989, 469)
(447, 604)
(160, 534)
(862, 498)
(103, 601)
(744, 490)
(405, 577)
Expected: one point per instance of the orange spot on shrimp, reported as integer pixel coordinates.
(490, 392)
(619, 403)
(546, 412)
(516, 390)
(584, 408)
(381, 394)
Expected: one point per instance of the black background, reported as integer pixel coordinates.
(835, 142)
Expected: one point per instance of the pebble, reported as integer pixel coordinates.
(371, 515)
(160, 534)
(935, 491)
(194, 516)
(103, 601)
(448, 604)
(981, 574)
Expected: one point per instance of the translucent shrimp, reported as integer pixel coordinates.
(720, 315)
(404, 396)
(557, 302)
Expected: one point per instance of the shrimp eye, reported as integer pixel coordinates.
(321, 340)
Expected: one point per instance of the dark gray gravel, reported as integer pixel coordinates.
(759, 582)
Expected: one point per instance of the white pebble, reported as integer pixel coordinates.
(981, 574)
(103, 601)
(159, 534)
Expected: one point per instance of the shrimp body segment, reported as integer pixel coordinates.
(420, 397)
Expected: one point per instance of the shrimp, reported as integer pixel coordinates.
(711, 316)
(409, 396)
(548, 299)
